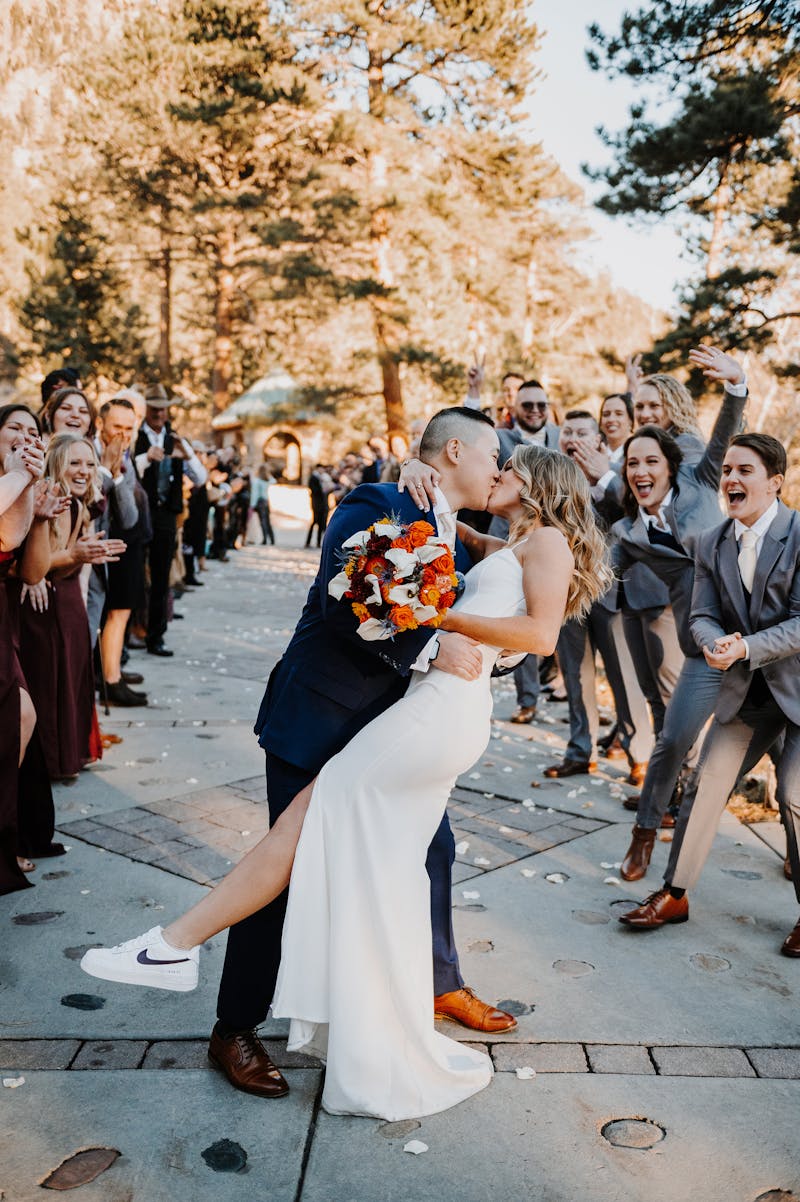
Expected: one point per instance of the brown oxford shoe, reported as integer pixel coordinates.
(637, 857)
(245, 1062)
(462, 1006)
(525, 713)
(637, 774)
(656, 910)
(571, 768)
(791, 944)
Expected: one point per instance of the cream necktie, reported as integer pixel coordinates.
(446, 525)
(748, 558)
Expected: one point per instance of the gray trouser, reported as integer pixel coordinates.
(656, 654)
(578, 644)
(526, 678)
(726, 750)
(95, 600)
(690, 707)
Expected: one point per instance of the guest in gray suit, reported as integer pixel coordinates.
(670, 505)
(746, 618)
(601, 631)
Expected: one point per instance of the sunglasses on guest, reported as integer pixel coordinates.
(542, 405)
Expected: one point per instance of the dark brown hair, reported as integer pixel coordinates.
(669, 448)
(771, 452)
(49, 410)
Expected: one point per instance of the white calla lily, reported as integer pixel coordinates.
(404, 561)
(375, 597)
(425, 612)
(430, 551)
(387, 529)
(359, 539)
(338, 586)
(404, 594)
(373, 629)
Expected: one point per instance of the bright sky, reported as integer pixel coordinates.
(566, 108)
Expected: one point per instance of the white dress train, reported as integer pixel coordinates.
(356, 974)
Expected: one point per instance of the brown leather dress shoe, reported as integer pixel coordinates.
(462, 1006)
(637, 857)
(632, 803)
(667, 822)
(791, 944)
(571, 768)
(637, 774)
(656, 910)
(245, 1062)
(525, 713)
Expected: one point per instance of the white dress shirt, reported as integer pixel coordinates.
(758, 528)
(658, 520)
(192, 465)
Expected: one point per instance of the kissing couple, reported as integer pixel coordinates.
(364, 743)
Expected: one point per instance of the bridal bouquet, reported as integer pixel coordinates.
(397, 576)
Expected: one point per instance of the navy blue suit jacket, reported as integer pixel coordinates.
(329, 682)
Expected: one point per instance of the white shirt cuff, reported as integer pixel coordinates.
(736, 389)
(141, 462)
(423, 660)
(599, 489)
(746, 649)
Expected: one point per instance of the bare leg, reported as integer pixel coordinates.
(112, 640)
(257, 879)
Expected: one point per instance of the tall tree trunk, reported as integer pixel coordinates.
(381, 249)
(223, 319)
(165, 313)
(716, 242)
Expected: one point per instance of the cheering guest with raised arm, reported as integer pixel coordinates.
(745, 618)
(669, 506)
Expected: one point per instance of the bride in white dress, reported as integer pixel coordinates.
(356, 976)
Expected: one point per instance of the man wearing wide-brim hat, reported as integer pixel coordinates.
(162, 456)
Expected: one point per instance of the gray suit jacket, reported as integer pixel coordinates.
(771, 621)
(694, 509)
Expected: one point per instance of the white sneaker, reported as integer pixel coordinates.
(146, 960)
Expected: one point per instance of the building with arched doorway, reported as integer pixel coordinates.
(275, 428)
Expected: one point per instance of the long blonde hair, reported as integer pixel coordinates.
(555, 493)
(55, 468)
(677, 403)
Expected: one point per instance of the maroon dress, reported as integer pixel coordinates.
(56, 657)
(11, 680)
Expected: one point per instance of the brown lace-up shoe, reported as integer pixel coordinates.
(571, 768)
(637, 857)
(791, 944)
(462, 1006)
(656, 910)
(244, 1060)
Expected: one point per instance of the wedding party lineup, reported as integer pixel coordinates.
(400, 601)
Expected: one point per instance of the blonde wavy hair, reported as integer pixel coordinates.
(555, 493)
(57, 461)
(677, 403)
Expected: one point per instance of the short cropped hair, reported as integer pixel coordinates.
(512, 375)
(456, 422)
(771, 452)
(533, 384)
(574, 414)
(120, 402)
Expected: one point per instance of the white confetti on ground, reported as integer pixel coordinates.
(482, 862)
(462, 847)
(13, 1082)
(474, 776)
(525, 1073)
(470, 894)
(528, 871)
(556, 878)
(415, 1147)
(612, 880)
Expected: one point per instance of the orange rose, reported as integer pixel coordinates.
(428, 575)
(405, 544)
(447, 599)
(443, 564)
(403, 617)
(419, 533)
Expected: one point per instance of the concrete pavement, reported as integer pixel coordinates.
(692, 1033)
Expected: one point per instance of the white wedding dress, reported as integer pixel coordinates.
(356, 974)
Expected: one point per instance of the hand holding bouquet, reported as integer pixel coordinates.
(398, 576)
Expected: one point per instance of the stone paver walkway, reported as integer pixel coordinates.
(663, 1065)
